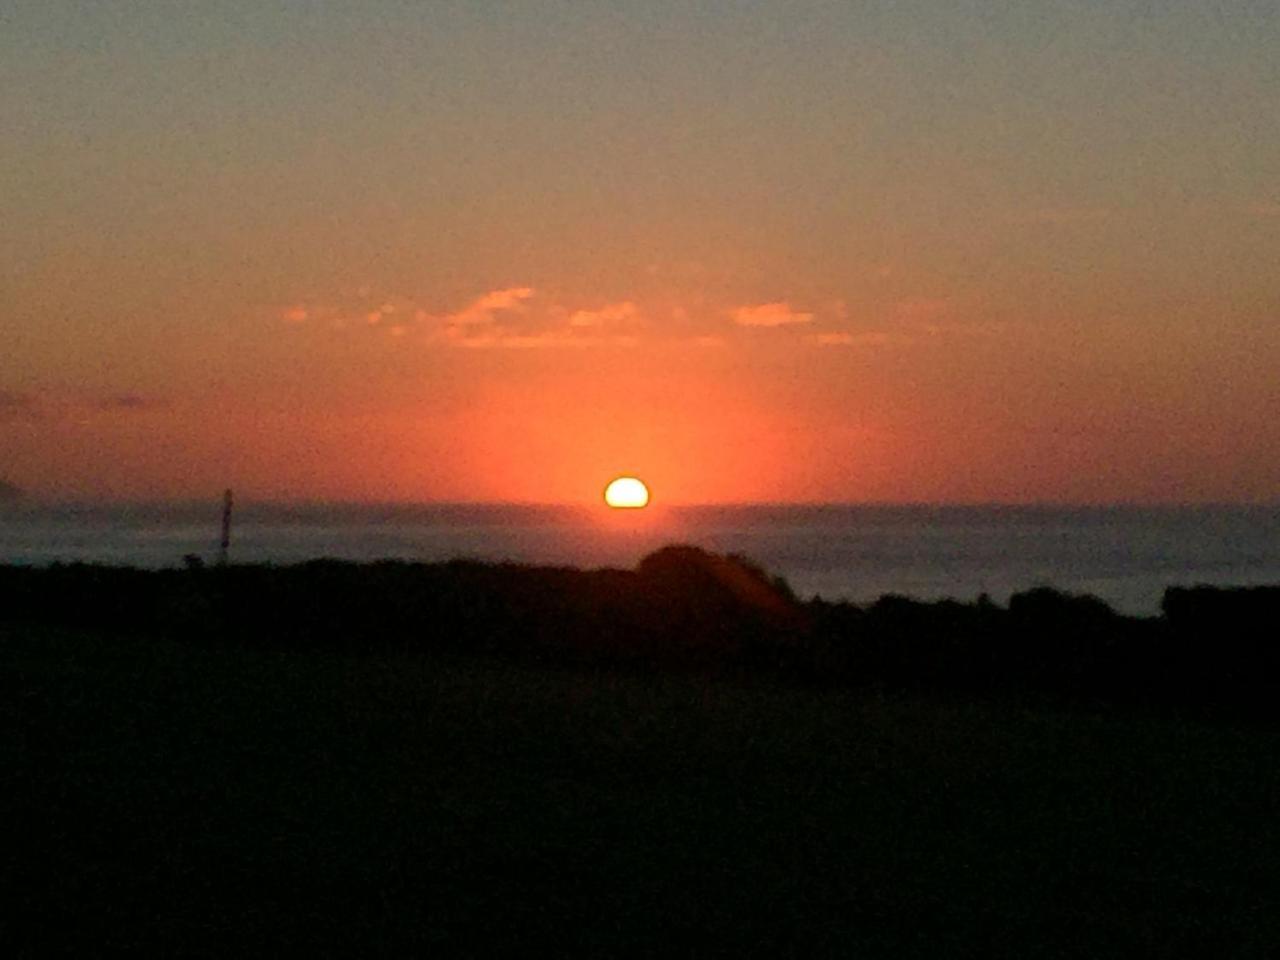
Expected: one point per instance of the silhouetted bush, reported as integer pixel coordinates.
(1224, 643)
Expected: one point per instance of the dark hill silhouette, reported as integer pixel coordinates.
(684, 609)
(498, 760)
(9, 492)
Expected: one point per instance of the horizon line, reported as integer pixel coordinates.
(321, 502)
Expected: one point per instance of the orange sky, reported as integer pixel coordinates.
(799, 252)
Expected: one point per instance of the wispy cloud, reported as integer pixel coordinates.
(509, 319)
(523, 318)
(778, 314)
(831, 339)
(623, 313)
(497, 316)
(486, 308)
(908, 321)
(354, 311)
(843, 338)
(518, 341)
(516, 317)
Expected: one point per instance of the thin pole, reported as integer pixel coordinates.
(226, 528)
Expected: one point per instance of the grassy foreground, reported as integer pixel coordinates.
(175, 798)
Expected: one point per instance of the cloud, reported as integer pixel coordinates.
(842, 338)
(507, 299)
(483, 309)
(533, 335)
(777, 314)
(506, 319)
(399, 310)
(832, 339)
(518, 341)
(510, 317)
(496, 315)
(395, 316)
(522, 318)
(611, 314)
(910, 321)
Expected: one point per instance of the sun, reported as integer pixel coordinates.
(626, 493)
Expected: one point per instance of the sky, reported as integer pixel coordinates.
(795, 251)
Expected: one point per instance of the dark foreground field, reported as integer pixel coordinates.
(185, 799)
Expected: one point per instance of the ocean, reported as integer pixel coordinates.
(1124, 555)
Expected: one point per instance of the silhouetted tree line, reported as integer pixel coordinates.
(684, 609)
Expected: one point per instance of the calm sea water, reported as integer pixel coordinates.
(1125, 555)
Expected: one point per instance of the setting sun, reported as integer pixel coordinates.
(626, 493)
